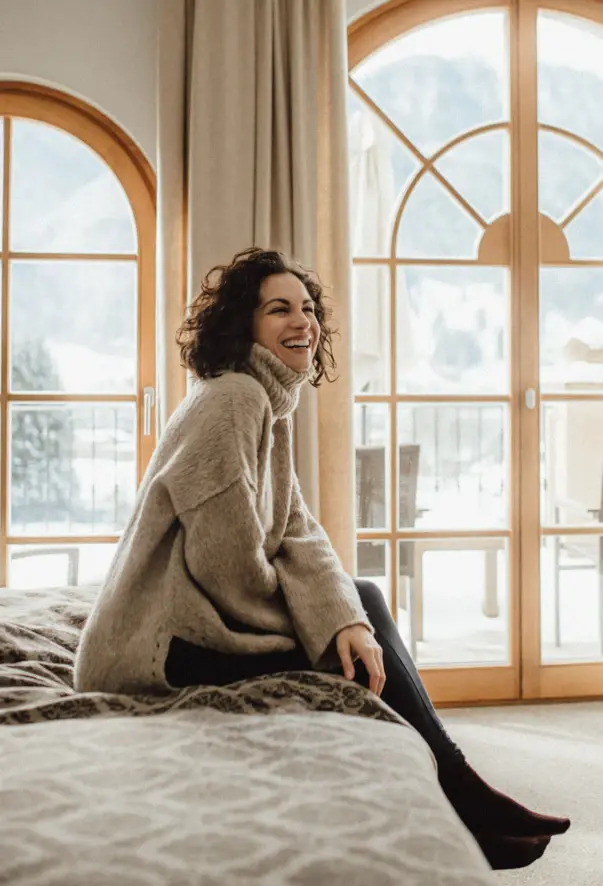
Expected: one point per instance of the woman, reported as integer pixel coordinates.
(223, 574)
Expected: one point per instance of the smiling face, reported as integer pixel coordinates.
(284, 321)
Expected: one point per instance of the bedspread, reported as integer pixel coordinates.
(299, 779)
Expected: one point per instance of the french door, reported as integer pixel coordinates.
(477, 220)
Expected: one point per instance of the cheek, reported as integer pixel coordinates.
(264, 330)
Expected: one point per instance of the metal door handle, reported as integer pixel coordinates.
(531, 398)
(148, 401)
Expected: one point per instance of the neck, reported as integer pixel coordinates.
(282, 384)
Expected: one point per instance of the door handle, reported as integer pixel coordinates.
(531, 398)
(148, 401)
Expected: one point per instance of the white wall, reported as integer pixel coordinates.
(102, 51)
(356, 8)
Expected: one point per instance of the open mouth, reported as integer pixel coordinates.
(301, 345)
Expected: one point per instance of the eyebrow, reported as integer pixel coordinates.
(285, 301)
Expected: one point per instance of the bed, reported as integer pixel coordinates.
(294, 780)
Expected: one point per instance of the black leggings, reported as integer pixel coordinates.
(188, 665)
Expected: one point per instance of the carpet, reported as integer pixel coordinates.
(549, 757)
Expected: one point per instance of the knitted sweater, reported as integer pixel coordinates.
(219, 532)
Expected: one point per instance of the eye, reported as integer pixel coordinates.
(283, 309)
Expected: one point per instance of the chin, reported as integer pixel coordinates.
(299, 364)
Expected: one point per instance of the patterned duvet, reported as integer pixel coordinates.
(296, 780)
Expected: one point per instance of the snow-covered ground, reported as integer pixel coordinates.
(456, 631)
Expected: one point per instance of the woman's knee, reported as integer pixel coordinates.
(371, 596)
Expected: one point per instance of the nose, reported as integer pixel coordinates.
(301, 321)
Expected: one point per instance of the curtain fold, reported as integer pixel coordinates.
(172, 123)
(263, 158)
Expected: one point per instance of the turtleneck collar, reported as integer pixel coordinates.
(281, 383)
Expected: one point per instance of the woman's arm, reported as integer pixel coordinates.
(224, 537)
(321, 596)
(224, 550)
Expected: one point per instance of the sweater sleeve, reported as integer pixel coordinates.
(225, 554)
(321, 597)
(224, 536)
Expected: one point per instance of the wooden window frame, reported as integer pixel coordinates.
(525, 677)
(136, 176)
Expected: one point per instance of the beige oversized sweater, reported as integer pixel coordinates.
(219, 530)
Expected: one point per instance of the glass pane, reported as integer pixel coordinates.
(73, 326)
(371, 325)
(479, 169)
(72, 468)
(566, 172)
(452, 330)
(571, 329)
(372, 564)
(435, 225)
(64, 196)
(572, 598)
(44, 566)
(453, 596)
(572, 462)
(380, 169)
(371, 436)
(570, 74)
(459, 455)
(443, 78)
(584, 233)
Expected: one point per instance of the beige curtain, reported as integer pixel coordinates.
(266, 146)
(172, 116)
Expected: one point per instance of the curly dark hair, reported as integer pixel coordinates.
(217, 332)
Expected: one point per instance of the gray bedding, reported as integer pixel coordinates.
(293, 780)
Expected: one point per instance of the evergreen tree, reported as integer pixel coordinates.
(43, 482)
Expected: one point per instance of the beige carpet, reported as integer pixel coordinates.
(549, 757)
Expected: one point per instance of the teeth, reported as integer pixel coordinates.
(294, 344)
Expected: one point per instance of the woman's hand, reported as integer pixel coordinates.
(358, 642)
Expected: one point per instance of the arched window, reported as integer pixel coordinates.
(477, 211)
(77, 364)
